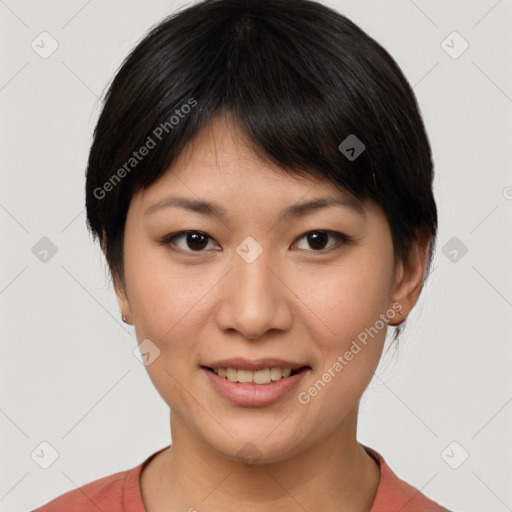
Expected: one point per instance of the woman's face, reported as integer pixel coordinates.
(257, 283)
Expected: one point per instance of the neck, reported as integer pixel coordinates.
(336, 474)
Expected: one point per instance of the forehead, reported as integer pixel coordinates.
(220, 174)
(221, 155)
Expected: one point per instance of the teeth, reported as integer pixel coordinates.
(265, 376)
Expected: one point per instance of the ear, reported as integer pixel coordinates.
(408, 280)
(122, 299)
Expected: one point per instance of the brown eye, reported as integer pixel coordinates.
(196, 240)
(188, 241)
(318, 240)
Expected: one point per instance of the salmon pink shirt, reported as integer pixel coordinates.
(120, 492)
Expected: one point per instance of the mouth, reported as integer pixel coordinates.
(259, 388)
(264, 376)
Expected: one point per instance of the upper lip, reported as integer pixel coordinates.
(241, 363)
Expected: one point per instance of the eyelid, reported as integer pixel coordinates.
(342, 240)
(167, 241)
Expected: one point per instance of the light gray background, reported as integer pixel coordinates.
(68, 373)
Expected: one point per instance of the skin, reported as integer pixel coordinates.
(296, 301)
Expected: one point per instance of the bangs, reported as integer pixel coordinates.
(309, 90)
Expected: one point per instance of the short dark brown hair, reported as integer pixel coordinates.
(297, 77)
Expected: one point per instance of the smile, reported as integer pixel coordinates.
(247, 388)
(264, 376)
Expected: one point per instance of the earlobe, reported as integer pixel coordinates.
(409, 279)
(122, 301)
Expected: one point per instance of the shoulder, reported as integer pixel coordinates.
(394, 493)
(112, 493)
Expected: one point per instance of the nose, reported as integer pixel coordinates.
(253, 299)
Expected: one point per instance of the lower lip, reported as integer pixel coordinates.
(254, 395)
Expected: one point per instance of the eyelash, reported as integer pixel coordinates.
(168, 241)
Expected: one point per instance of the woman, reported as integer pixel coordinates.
(260, 182)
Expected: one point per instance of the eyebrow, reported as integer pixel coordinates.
(296, 210)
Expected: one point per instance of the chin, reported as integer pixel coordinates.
(257, 449)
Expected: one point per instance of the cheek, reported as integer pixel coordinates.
(349, 301)
(349, 338)
(162, 295)
(349, 298)
(166, 307)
